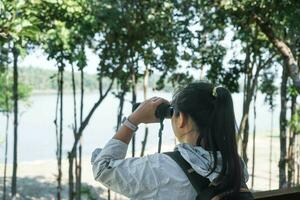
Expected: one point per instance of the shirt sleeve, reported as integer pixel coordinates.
(130, 176)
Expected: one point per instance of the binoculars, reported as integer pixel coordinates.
(162, 111)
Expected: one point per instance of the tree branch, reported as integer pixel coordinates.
(88, 117)
(283, 48)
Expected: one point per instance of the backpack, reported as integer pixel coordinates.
(205, 190)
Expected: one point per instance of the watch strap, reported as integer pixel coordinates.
(129, 124)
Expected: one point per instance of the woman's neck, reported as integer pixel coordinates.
(189, 137)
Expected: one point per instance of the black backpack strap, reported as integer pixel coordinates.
(199, 182)
(202, 185)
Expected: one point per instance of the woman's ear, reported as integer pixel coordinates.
(181, 120)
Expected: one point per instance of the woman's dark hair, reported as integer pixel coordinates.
(212, 110)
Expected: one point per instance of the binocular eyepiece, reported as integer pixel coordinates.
(162, 111)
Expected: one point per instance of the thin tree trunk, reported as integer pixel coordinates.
(121, 97)
(244, 127)
(108, 194)
(145, 87)
(296, 174)
(71, 177)
(74, 101)
(245, 131)
(70, 157)
(78, 171)
(56, 119)
(79, 166)
(244, 116)
(292, 134)
(133, 76)
(15, 99)
(298, 164)
(6, 147)
(271, 148)
(244, 124)
(283, 124)
(59, 177)
(254, 134)
(7, 110)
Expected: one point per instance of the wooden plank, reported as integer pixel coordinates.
(281, 194)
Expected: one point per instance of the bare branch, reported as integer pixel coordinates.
(88, 117)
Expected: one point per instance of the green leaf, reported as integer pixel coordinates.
(30, 32)
(51, 1)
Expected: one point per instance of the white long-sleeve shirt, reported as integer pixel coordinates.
(155, 176)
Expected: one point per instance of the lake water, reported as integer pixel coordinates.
(37, 130)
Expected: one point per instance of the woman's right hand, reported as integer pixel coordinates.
(145, 113)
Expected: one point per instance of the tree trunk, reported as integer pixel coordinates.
(250, 83)
(70, 156)
(245, 131)
(254, 134)
(144, 142)
(56, 119)
(283, 124)
(15, 99)
(79, 165)
(71, 177)
(78, 172)
(292, 134)
(244, 125)
(6, 146)
(133, 76)
(59, 177)
(108, 194)
(298, 164)
(145, 87)
(121, 97)
(271, 148)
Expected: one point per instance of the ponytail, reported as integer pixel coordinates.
(223, 132)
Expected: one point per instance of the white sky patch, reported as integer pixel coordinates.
(37, 58)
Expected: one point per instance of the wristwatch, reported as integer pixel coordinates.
(129, 124)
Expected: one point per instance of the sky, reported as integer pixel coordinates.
(37, 58)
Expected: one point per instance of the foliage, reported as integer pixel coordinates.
(18, 27)
(269, 89)
(6, 92)
(88, 193)
(295, 122)
(133, 35)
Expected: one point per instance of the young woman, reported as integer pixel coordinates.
(203, 121)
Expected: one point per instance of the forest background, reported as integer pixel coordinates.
(250, 47)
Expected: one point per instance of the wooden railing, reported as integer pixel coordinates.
(281, 194)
